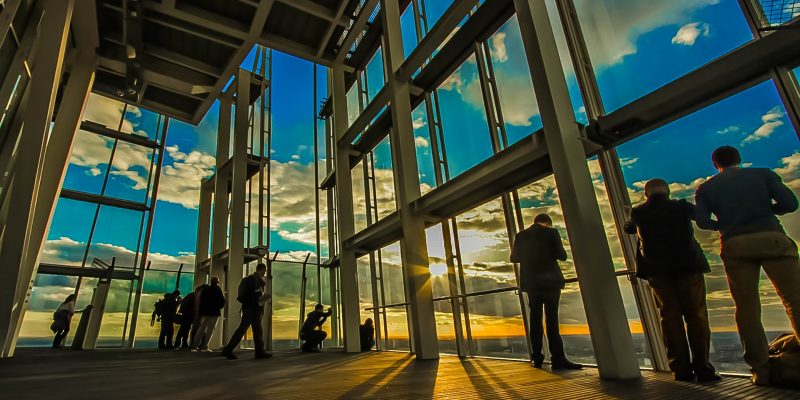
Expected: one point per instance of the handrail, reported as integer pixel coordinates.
(625, 272)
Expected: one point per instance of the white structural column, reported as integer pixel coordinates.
(235, 263)
(52, 37)
(605, 311)
(59, 148)
(344, 192)
(203, 233)
(413, 244)
(219, 229)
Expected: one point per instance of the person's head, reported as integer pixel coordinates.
(543, 220)
(70, 298)
(655, 187)
(199, 288)
(368, 322)
(318, 307)
(214, 281)
(261, 269)
(176, 293)
(726, 157)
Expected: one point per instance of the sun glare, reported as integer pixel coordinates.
(438, 269)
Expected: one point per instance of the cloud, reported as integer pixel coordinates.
(420, 141)
(419, 122)
(180, 181)
(730, 129)
(688, 34)
(613, 27)
(770, 121)
(497, 44)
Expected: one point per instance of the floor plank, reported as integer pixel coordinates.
(144, 374)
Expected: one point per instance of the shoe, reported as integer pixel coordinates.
(760, 378)
(684, 376)
(564, 364)
(712, 377)
(228, 355)
(263, 356)
(536, 364)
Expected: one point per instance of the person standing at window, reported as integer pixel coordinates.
(538, 250)
(62, 319)
(671, 260)
(746, 202)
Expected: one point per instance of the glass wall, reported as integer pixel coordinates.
(636, 47)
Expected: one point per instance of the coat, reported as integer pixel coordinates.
(538, 250)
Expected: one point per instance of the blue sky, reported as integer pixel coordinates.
(635, 48)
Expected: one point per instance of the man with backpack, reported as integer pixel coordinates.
(252, 297)
(165, 310)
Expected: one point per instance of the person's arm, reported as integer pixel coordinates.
(702, 213)
(561, 254)
(515, 256)
(630, 225)
(689, 209)
(785, 200)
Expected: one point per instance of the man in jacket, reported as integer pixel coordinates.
(252, 297)
(746, 202)
(210, 309)
(538, 250)
(671, 259)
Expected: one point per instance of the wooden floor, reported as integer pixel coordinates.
(145, 374)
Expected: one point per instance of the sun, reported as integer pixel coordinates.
(438, 269)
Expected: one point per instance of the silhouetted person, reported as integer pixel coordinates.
(187, 312)
(252, 296)
(312, 332)
(165, 310)
(538, 250)
(670, 258)
(746, 202)
(62, 318)
(211, 303)
(367, 333)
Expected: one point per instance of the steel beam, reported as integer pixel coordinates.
(413, 244)
(46, 75)
(605, 311)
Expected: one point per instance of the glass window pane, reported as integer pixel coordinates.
(130, 173)
(755, 122)
(393, 284)
(141, 122)
(286, 282)
(466, 130)
(636, 47)
(116, 235)
(375, 76)
(88, 162)
(69, 232)
(397, 332)
(445, 329)
(359, 196)
(384, 179)
(438, 262)
(514, 86)
(496, 324)
(485, 250)
(409, 31)
(364, 276)
(422, 142)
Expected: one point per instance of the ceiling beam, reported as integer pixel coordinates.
(319, 11)
(173, 57)
(356, 29)
(250, 39)
(331, 28)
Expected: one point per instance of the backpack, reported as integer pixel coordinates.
(159, 307)
(785, 361)
(246, 292)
